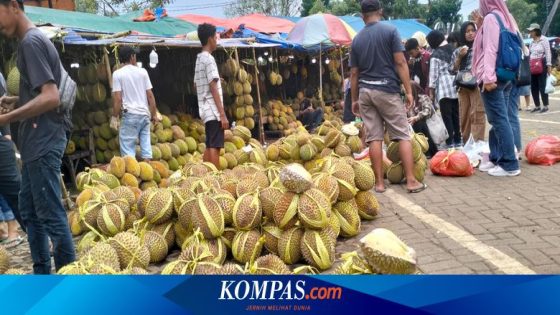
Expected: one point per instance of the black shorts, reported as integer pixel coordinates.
(214, 134)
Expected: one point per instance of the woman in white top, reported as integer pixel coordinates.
(539, 50)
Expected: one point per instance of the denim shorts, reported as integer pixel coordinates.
(133, 128)
(6, 213)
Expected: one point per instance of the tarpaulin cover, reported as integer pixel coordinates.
(96, 23)
(201, 19)
(406, 27)
(262, 23)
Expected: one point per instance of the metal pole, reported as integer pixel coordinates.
(321, 74)
(256, 78)
(550, 16)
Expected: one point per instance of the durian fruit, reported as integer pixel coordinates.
(131, 251)
(318, 249)
(13, 81)
(89, 212)
(167, 231)
(352, 264)
(289, 249)
(197, 249)
(125, 193)
(231, 269)
(269, 265)
(227, 204)
(349, 218)
(387, 254)
(129, 180)
(208, 217)
(314, 209)
(395, 173)
(285, 212)
(14, 271)
(271, 234)
(367, 203)
(247, 212)
(328, 185)
(157, 246)
(393, 152)
(4, 260)
(269, 197)
(111, 219)
(245, 186)
(158, 206)
(295, 178)
(364, 177)
(101, 259)
(247, 244)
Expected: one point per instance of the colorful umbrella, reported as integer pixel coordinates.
(324, 29)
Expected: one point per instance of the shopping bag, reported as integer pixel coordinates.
(437, 128)
(549, 89)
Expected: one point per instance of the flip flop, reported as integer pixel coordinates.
(417, 190)
(13, 242)
(380, 191)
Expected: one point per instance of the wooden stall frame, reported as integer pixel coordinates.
(261, 126)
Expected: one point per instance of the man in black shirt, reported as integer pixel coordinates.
(42, 139)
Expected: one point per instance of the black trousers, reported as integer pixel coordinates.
(421, 127)
(449, 108)
(538, 85)
(10, 177)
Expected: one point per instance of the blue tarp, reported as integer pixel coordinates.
(269, 39)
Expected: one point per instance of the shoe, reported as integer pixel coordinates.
(544, 110)
(536, 109)
(498, 171)
(486, 166)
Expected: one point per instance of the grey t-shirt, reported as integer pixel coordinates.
(372, 53)
(38, 63)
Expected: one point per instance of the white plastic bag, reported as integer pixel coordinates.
(549, 89)
(474, 150)
(437, 128)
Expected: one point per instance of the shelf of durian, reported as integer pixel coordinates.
(332, 88)
(238, 86)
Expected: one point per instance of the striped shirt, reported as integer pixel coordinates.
(206, 71)
(441, 79)
(540, 50)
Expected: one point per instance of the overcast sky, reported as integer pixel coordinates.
(216, 7)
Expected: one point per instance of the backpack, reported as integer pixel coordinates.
(509, 53)
(67, 90)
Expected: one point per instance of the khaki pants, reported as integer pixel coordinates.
(471, 114)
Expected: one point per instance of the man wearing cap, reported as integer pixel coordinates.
(539, 55)
(42, 139)
(378, 70)
(134, 99)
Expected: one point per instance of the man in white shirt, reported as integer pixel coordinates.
(133, 97)
(209, 93)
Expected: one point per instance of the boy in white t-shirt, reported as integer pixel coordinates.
(209, 93)
(133, 97)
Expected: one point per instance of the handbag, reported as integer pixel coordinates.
(437, 128)
(465, 79)
(536, 66)
(524, 74)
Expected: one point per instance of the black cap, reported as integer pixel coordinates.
(370, 6)
(125, 52)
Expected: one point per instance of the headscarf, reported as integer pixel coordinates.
(488, 6)
(421, 38)
(463, 35)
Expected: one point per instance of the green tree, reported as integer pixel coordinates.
(345, 7)
(268, 7)
(523, 12)
(318, 7)
(543, 8)
(446, 11)
(87, 6)
(307, 6)
(408, 9)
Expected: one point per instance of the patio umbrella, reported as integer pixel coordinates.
(321, 29)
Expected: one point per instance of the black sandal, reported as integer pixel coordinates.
(417, 190)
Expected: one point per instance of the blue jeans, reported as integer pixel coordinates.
(42, 212)
(10, 178)
(500, 137)
(513, 116)
(6, 213)
(133, 127)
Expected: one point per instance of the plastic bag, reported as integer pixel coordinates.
(451, 163)
(549, 89)
(544, 150)
(437, 128)
(474, 150)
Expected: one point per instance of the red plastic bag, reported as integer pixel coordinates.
(451, 163)
(544, 150)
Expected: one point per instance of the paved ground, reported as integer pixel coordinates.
(474, 225)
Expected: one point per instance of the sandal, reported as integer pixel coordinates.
(380, 191)
(417, 190)
(10, 243)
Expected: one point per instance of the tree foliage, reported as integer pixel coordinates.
(404, 9)
(87, 6)
(268, 7)
(523, 12)
(542, 10)
(318, 7)
(345, 7)
(446, 11)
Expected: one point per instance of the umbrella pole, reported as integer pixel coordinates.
(321, 75)
(341, 67)
(261, 128)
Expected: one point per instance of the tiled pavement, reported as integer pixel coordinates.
(519, 217)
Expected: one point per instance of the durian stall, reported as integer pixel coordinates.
(276, 208)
